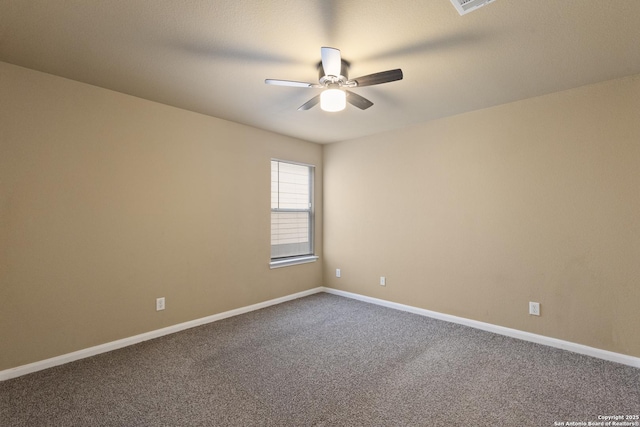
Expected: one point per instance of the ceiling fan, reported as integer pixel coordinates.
(334, 79)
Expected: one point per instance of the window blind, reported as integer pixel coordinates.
(291, 210)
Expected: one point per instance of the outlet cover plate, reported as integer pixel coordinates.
(534, 308)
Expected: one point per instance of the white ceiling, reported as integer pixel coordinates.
(212, 56)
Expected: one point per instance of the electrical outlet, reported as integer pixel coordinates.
(383, 281)
(338, 272)
(159, 304)
(534, 308)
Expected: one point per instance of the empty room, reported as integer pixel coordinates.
(319, 213)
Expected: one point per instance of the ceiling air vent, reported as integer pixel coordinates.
(466, 6)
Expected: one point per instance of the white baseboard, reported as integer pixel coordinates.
(513, 333)
(114, 345)
(501, 330)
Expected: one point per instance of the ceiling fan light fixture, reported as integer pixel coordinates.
(334, 80)
(333, 100)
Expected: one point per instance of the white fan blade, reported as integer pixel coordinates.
(287, 83)
(331, 61)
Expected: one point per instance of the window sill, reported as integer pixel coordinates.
(293, 261)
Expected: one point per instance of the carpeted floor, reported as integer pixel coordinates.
(325, 360)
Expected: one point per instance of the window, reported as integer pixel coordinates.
(291, 213)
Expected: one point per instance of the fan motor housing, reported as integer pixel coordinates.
(341, 79)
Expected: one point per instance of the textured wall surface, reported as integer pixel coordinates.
(108, 201)
(476, 215)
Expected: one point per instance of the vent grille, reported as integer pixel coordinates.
(466, 6)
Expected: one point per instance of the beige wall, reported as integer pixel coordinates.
(478, 214)
(108, 201)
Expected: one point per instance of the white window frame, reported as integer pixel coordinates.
(303, 258)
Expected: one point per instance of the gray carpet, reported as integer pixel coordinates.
(325, 360)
